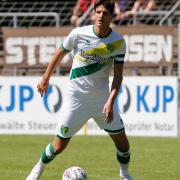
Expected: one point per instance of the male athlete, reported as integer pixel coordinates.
(95, 49)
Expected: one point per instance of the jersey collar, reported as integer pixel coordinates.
(100, 36)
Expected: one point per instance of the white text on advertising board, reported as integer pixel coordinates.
(33, 50)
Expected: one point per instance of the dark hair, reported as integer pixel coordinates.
(108, 4)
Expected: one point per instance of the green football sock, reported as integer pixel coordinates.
(48, 154)
(123, 156)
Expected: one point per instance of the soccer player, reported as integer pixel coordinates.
(95, 49)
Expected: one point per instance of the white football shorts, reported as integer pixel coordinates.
(76, 113)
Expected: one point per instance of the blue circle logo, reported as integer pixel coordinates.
(123, 99)
(53, 99)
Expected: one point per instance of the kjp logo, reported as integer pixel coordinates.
(18, 97)
(145, 98)
(25, 95)
(49, 99)
(123, 100)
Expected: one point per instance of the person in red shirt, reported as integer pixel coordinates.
(80, 8)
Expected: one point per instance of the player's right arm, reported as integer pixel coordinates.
(44, 83)
(67, 45)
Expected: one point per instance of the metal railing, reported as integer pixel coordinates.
(170, 12)
(38, 14)
(150, 13)
(63, 8)
(160, 14)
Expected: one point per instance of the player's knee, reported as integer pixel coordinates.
(59, 146)
(58, 149)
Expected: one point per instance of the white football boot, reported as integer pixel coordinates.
(124, 175)
(127, 177)
(36, 171)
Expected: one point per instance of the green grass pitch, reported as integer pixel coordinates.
(152, 158)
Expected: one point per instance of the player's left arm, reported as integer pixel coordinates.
(116, 83)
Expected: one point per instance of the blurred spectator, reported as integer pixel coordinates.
(141, 5)
(120, 8)
(80, 8)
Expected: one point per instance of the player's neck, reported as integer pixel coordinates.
(102, 32)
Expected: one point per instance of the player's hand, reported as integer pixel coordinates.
(108, 110)
(43, 86)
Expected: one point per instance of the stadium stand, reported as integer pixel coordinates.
(57, 13)
(62, 8)
(153, 17)
(45, 14)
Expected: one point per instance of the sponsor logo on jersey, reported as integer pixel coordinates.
(94, 57)
(110, 48)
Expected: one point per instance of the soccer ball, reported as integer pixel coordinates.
(74, 173)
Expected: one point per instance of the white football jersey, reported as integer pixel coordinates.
(92, 61)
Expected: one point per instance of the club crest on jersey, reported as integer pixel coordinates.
(64, 130)
(110, 48)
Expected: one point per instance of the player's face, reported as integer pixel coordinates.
(102, 17)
